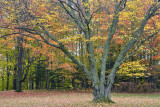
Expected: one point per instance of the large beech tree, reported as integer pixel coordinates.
(80, 14)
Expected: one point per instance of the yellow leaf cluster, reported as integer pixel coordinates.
(133, 69)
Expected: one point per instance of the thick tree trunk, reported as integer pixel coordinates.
(105, 97)
(103, 93)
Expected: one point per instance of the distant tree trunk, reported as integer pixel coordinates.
(86, 83)
(14, 84)
(52, 80)
(20, 63)
(40, 84)
(37, 77)
(55, 83)
(8, 74)
(58, 81)
(73, 83)
(52, 83)
(2, 81)
(32, 84)
(7, 85)
(63, 82)
(47, 79)
(14, 77)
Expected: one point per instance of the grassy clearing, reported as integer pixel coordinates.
(74, 99)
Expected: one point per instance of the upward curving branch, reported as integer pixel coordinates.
(112, 29)
(121, 57)
(71, 14)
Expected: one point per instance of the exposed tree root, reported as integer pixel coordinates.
(103, 100)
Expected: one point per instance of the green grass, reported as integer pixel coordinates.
(151, 95)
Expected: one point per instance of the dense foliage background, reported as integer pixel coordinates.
(45, 67)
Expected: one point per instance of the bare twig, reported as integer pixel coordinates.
(93, 14)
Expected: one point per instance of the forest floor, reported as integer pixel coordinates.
(44, 98)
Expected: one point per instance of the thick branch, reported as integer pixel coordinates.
(60, 47)
(112, 29)
(150, 13)
(77, 62)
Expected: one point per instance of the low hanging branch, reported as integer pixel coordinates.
(61, 46)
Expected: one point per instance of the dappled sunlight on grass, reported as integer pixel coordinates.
(74, 99)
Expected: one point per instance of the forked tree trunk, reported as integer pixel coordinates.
(103, 96)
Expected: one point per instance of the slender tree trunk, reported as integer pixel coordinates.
(40, 84)
(52, 83)
(30, 81)
(37, 78)
(2, 82)
(7, 85)
(55, 83)
(47, 79)
(32, 84)
(63, 82)
(20, 63)
(73, 83)
(14, 82)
